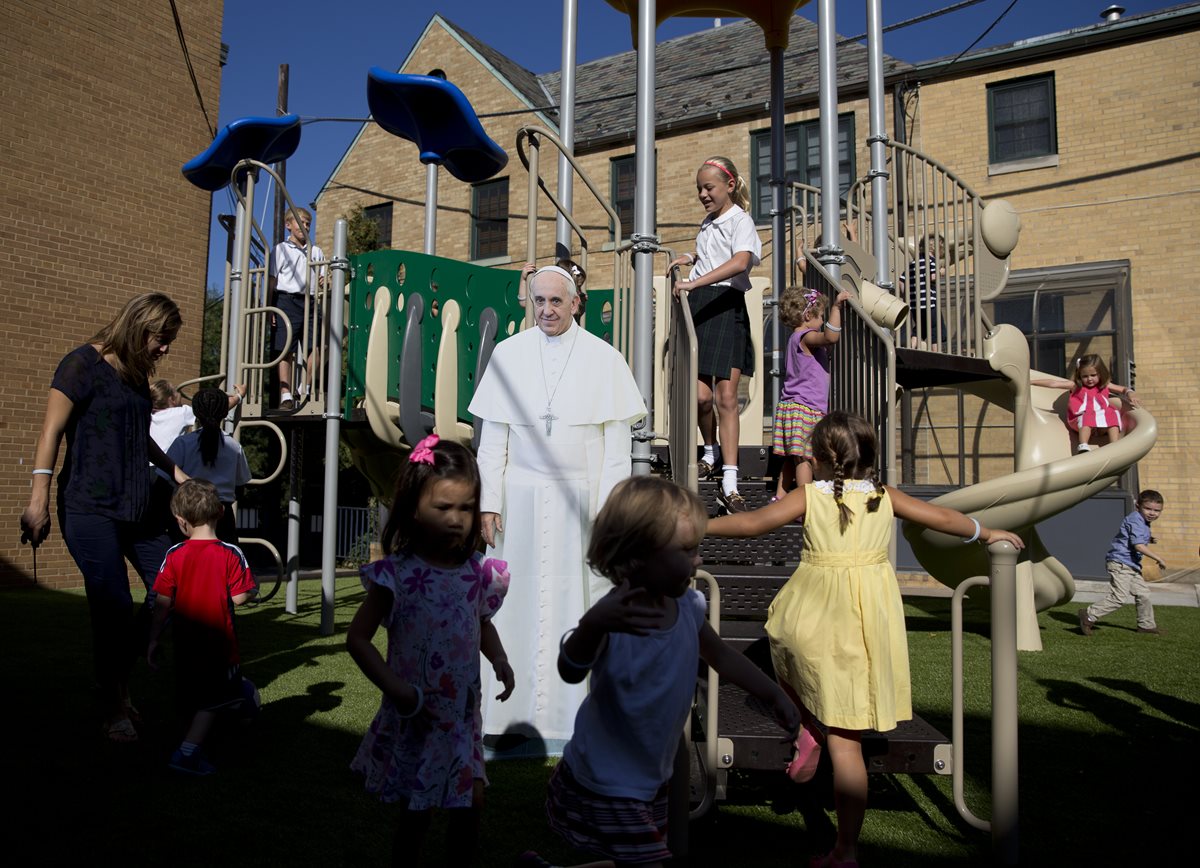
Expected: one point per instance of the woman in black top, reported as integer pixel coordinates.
(100, 398)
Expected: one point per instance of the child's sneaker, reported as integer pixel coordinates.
(1083, 447)
(196, 764)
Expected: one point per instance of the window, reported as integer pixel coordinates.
(381, 216)
(802, 161)
(489, 219)
(1069, 311)
(1021, 119)
(623, 175)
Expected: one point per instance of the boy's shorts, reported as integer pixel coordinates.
(292, 305)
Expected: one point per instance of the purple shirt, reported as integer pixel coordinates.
(807, 380)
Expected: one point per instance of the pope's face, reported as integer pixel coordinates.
(553, 304)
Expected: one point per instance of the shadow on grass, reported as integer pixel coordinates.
(1107, 738)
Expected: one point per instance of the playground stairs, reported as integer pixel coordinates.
(749, 573)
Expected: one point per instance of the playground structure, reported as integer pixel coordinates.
(420, 329)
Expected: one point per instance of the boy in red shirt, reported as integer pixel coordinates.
(199, 583)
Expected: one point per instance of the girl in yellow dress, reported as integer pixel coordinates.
(837, 627)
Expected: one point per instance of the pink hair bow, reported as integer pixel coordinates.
(423, 451)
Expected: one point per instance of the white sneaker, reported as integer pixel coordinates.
(1083, 447)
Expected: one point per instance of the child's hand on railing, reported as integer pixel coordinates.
(842, 296)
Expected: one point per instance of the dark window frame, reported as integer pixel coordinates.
(1026, 83)
(381, 216)
(615, 165)
(807, 141)
(489, 221)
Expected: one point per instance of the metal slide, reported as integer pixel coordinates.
(1048, 480)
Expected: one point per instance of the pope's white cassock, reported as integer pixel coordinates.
(556, 413)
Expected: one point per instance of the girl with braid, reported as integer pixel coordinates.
(837, 627)
(209, 453)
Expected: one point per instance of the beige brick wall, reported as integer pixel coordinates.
(97, 114)
(1125, 188)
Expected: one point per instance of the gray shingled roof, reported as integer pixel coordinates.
(704, 76)
(519, 77)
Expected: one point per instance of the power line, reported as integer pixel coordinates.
(187, 59)
(908, 22)
(979, 38)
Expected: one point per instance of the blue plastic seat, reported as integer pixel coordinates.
(436, 116)
(268, 140)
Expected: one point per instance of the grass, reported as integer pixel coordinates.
(1108, 740)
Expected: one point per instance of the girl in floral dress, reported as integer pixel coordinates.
(436, 596)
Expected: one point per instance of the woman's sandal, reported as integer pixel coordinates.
(120, 731)
(808, 753)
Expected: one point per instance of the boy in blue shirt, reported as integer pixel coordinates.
(1124, 562)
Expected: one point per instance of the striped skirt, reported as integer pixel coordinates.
(794, 425)
(625, 830)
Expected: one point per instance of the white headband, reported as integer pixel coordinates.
(554, 269)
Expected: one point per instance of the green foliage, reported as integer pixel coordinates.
(362, 233)
(210, 341)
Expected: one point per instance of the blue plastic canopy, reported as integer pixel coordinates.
(268, 140)
(436, 116)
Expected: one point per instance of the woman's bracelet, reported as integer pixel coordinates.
(832, 327)
(417, 708)
(562, 652)
(43, 471)
(975, 535)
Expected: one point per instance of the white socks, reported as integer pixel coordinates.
(710, 454)
(729, 478)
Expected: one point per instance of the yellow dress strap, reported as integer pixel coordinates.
(844, 559)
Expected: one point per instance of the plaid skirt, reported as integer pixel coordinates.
(625, 830)
(794, 425)
(722, 331)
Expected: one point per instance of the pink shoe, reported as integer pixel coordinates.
(808, 753)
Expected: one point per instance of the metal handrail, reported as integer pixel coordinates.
(254, 343)
(935, 218)
(711, 710)
(1003, 582)
(862, 372)
(682, 411)
(532, 166)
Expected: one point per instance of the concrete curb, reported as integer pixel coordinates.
(1086, 591)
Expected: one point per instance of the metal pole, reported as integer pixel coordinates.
(878, 142)
(830, 252)
(292, 561)
(1005, 848)
(644, 229)
(566, 127)
(431, 184)
(238, 278)
(779, 252)
(333, 424)
(281, 108)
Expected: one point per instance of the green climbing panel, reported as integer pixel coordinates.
(438, 280)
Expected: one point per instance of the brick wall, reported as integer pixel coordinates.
(97, 114)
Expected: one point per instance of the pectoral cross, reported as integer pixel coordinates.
(550, 419)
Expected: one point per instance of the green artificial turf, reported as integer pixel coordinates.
(1108, 741)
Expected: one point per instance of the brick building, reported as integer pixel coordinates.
(97, 114)
(1102, 169)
